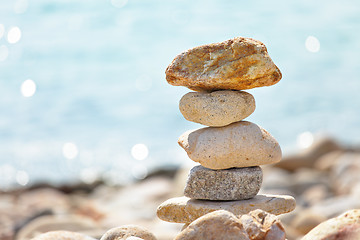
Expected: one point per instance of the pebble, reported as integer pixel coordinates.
(237, 64)
(240, 144)
(186, 210)
(127, 231)
(217, 109)
(65, 222)
(345, 173)
(306, 220)
(228, 184)
(334, 206)
(62, 235)
(307, 158)
(261, 225)
(216, 225)
(328, 160)
(343, 227)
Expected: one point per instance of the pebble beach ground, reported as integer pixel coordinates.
(323, 178)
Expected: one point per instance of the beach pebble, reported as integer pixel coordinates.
(261, 225)
(127, 231)
(345, 173)
(308, 157)
(343, 227)
(328, 160)
(306, 220)
(334, 206)
(240, 144)
(239, 63)
(229, 184)
(216, 225)
(186, 210)
(62, 235)
(217, 109)
(65, 222)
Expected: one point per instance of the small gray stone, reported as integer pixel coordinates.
(228, 184)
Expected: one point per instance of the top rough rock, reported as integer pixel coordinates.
(236, 64)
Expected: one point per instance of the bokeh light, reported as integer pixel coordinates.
(4, 52)
(21, 6)
(22, 178)
(14, 35)
(28, 88)
(305, 139)
(139, 151)
(89, 175)
(312, 44)
(139, 171)
(70, 150)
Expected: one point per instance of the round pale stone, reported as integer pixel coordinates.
(217, 109)
(240, 144)
(186, 210)
(217, 225)
(228, 184)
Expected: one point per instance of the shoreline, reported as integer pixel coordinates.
(322, 178)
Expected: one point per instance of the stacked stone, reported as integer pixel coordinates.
(230, 150)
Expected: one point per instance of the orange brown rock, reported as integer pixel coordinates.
(236, 64)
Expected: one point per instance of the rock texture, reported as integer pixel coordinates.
(221, 224)
(261, 225)
(239, 63)
(217, 109)
(343, 227)
(186, 210)
(240, 144)
(128, 231)
(229, 184)
(62, 235)
(217, 225)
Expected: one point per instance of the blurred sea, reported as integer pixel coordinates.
(83, 89)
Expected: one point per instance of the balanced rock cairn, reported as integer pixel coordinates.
(229, 150)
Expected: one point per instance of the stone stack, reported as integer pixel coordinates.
(230, 150)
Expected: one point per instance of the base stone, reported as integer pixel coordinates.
(186, 210)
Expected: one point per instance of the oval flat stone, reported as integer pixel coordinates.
(228, 184)
(240, 144)
(186, 210)
(237, 64)
(217, 109)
